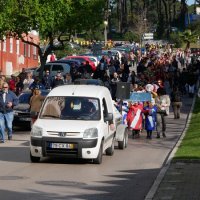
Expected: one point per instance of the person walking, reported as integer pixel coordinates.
(163, 102)
(47, 80)
(58, 80)
(176, 99)
(8, 99)
(150, 118)
(36, 103)
(134, 118)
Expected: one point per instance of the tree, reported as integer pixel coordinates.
(52, 19)
(188, 37)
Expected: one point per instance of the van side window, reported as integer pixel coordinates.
(57, 68)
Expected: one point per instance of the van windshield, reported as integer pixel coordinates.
(71, 108)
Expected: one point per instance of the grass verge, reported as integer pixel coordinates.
(189, 148)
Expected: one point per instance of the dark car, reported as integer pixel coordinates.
(70, 62)
(88, 82)
(22, 110)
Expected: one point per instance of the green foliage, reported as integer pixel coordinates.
(188, 37)
(176, 40)
(195, 27)
(130, 36)
(190, 146)
(68, 51)
(94, 35)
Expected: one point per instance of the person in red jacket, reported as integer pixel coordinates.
(134, 118)
(12, 83)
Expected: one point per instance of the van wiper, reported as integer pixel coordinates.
(51, 116)
(75, 117)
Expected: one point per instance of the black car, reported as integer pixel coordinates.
(22, 110)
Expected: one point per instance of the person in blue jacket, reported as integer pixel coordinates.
(150, 118)
(8, 99)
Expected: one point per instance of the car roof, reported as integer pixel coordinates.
(67, 61)
(88, 82)
(79, 90)
(84, 57)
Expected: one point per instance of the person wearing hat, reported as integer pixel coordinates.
(58, 80)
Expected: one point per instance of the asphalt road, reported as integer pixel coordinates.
(128, 174)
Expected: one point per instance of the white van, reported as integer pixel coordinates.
(77, 121)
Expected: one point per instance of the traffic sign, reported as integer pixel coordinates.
(148, 36)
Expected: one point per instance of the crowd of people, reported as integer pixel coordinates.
(165, 73)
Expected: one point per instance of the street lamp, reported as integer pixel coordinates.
(105, 31)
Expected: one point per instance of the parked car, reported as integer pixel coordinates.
(53, 67)
(95, 59)
(77, 63)
(82, 59)
(22, 110)
(113, 53)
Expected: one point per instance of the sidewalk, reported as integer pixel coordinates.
(178, 180)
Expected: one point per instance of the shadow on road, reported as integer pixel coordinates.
(124, 186)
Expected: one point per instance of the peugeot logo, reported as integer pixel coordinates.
(62, 134)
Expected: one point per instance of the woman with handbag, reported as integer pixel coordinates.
(163, 103)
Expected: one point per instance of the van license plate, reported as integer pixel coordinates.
(61, 146)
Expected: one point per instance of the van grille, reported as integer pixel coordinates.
(53, 133)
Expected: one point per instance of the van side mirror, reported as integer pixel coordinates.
(108, 117)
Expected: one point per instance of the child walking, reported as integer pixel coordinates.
(134, 118)
(150, 118)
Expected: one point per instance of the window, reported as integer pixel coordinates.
(71, 108)
(29, 50)
(57, 68)
(17, 47)
(4, 43)
(34, 52)
(11, 45)
(25, 53)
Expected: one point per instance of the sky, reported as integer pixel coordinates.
(189, 2)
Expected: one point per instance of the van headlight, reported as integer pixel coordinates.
(36, 131)
(90, 133)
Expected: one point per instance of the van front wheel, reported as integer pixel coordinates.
(98, 160)
(110, 150)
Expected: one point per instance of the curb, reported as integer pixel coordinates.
(169, 158)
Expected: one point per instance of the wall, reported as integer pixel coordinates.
(15, 55)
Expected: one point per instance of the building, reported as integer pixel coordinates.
(15, 54)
